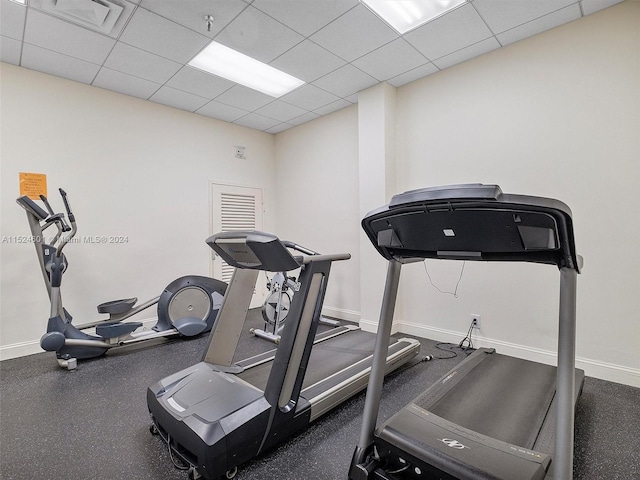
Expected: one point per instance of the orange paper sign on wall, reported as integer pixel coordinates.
(33, 185)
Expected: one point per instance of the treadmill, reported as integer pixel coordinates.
(218, 414)
(492, 416)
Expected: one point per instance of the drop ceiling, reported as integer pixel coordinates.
(338, 47)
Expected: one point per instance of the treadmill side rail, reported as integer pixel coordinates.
(355, 378)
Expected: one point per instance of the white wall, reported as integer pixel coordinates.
(555, 115)
(130, 167)
(377, 170)
(317, 199)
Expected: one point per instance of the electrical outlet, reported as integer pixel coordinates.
(475, 320)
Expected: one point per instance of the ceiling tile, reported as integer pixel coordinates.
(139, 63)
(307, 117)
(339, 47)
(253, 120)
(413, 75)
(307, 61)
(258, 35)
(345, 81)
(353, 98)
(354, 34)
(178, 99)
(10, 50)
(281, 111)
(541, 24)
(244, 98)
(451, 32)
(192, 17)
(155, 34)
(129, 7)
(196, 81)
(126, 84)
(57, 64)
(221, 111)
(279, 128)
(391, 60)
(332, 107)
(309, 97)
(50, 33)
(12, 19)
(305, 17)
(464, 54)
(592, 6)
(503, 15)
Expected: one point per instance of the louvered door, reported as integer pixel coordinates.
(235, 208)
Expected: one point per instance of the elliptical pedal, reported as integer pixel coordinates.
(117, 307)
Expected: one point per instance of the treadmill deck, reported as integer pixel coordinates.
(492, 416)
(338, 367)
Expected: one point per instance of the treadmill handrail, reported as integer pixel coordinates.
(306, 259)
(258, 250)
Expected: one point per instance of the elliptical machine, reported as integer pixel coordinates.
(188, 306)
(276, 306)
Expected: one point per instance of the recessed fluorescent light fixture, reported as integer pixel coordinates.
(405, 15)
(21, 2)
(237, 67)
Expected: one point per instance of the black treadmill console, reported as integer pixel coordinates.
(466, 190)
(253, 250)
(473, 222)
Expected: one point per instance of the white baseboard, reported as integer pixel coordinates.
(21, 349)
(371, 326)
(593, 368)
(32, 347)
(341, 314)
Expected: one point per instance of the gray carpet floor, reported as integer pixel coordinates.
(92, 423)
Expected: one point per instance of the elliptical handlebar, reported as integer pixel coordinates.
(72, 219)
(57, 218)
(67, 206)
(46, 203)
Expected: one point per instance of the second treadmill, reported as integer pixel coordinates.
(218, 414)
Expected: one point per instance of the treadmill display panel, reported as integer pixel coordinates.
(253, 250)
(474, 223)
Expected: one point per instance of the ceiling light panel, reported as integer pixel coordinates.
(406, 15)
(225, 62)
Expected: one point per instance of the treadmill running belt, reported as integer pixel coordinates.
(327, 358)
(505, 398)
